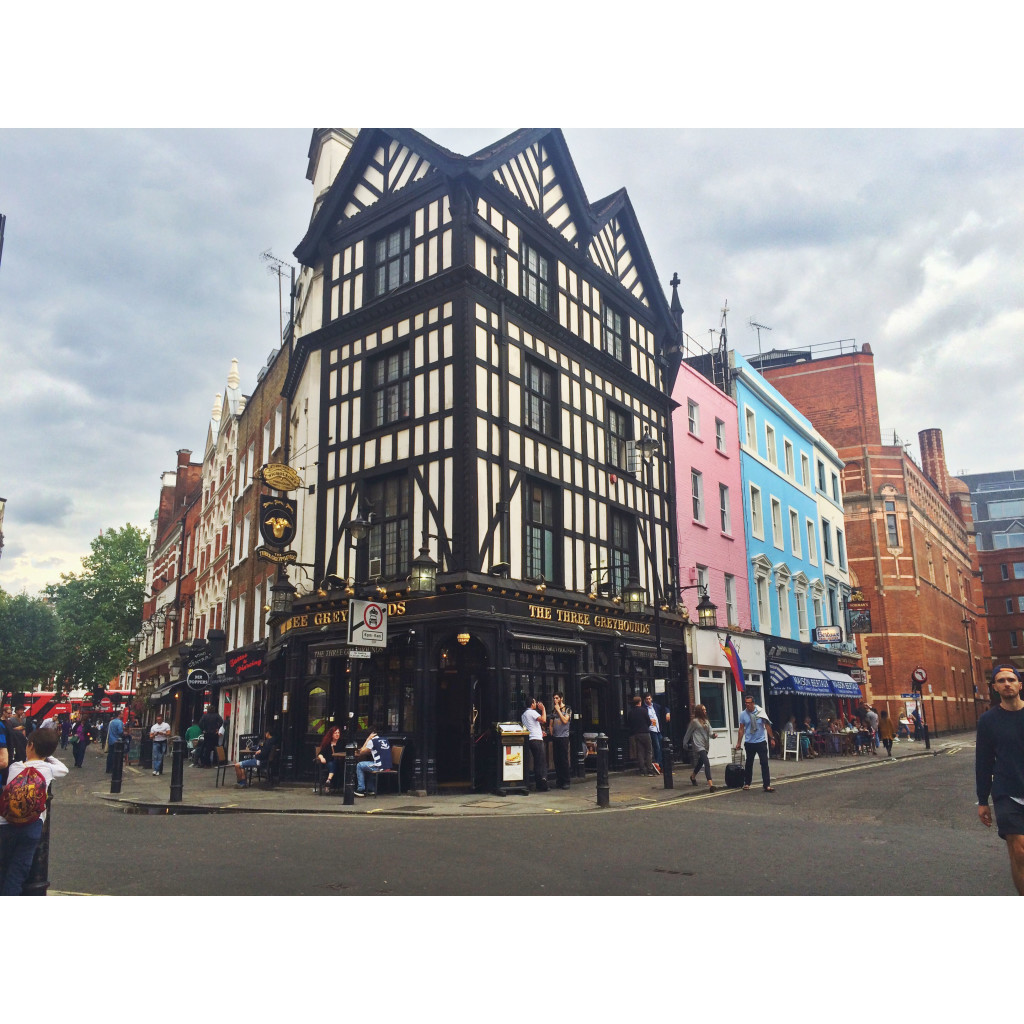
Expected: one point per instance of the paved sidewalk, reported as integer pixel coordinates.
(142, 792)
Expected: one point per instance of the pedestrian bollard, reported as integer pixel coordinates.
(38, 881)
(603, 799)
(115, 775)
(350, 774)
(177, 768)
(666, 762)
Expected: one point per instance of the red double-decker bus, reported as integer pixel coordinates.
(42, 704)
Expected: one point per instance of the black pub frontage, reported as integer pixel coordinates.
(462, 659)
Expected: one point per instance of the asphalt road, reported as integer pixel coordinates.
(894, 828)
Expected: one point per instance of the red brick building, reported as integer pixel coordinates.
(166, 610)
(261, 428)
(910, 538)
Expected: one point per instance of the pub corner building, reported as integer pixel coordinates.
(480, 368)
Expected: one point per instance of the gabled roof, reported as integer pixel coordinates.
(532, 164)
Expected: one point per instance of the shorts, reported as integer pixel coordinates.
(1009, 816)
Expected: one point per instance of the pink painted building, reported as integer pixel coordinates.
(709, 503)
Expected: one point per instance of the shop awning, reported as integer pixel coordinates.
(843, 685)
(800, 679)
(163, 695)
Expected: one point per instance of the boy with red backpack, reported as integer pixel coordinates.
(23, 808)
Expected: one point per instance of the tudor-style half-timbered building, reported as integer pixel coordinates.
(480, 353)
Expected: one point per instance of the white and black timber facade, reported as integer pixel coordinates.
(480, 349)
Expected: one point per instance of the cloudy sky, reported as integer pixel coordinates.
(131, 276)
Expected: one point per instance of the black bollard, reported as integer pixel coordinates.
(666, 762)
(350, 774)
(177, 768)
(37, 882)
(115, 775)
(603, 798)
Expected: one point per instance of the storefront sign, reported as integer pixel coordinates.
(279, 476)
(333, 617)
(198, 679)
(277, 520)
(246, 664)
(278, 557)
(547, 613)
(828, 634)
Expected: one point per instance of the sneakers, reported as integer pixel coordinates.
(657, 768)
(156, 773)
(242, 785)
(359, 792)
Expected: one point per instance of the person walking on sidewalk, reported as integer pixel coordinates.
(639, 724)
(755, 733)
(158, 733)
(115, 732)
(999, 767)
(698, 737)
(886, 732)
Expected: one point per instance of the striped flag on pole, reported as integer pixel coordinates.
(733, 657)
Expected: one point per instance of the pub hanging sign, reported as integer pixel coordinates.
(277, 528)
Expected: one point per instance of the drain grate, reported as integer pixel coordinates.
(673, 871)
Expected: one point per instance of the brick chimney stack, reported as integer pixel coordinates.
(933, 458)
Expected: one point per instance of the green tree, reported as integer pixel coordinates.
(100, 609)
(29, 641)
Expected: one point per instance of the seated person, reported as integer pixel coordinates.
(379, 750)
(261, 756)
(806, 739)
(330, 754)
(193, 734)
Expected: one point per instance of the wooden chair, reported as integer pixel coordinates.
(223, 766)
(394, 772)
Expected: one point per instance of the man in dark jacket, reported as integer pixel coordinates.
(210, 723)
(999, 767)
(639, 724)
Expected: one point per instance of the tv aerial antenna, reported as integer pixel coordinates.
(759, 328)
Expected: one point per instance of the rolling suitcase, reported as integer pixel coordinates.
(734, 771)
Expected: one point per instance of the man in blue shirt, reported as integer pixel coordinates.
(115, 732)
(755, 733)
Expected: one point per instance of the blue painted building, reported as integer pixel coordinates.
(791, 517)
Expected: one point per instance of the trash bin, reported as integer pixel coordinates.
(511, 758)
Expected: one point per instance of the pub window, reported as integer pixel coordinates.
(620, 433)
(614, 338)
(539, 398)
(535, 277)
(392, 259)
(540, 533)
(621, 547)
(389, 529)
(390, 388)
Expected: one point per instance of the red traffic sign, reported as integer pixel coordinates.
(919, 675)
